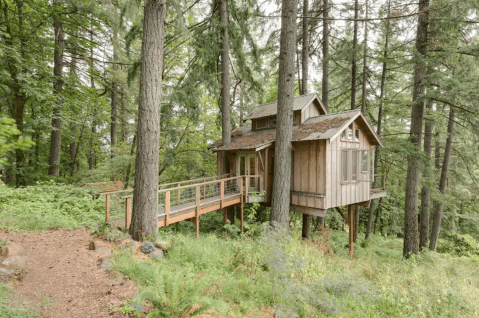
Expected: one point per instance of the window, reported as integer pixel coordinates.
(272, 122)
(349, 165)
(350, 133)
(364, 161)
(261, 123)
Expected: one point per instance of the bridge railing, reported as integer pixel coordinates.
(379, 182)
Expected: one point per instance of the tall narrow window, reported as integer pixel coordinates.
(350, 132)
(356, 135)
(261, 123)
(354, 165)
(344, 166)
(364, 161)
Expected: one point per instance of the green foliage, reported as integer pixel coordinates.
(48, 205)
(9, 140)
(460, 244)
(179, 293)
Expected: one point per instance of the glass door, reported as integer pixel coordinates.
(247, 167)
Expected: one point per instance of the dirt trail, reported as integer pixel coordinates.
(63, 278)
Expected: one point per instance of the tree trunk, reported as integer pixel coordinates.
(353, 62)
(280, 204)
(113, 98)
(325, 79)
(426, 192)
(128, 168)
(436, 224)
(378, 130)
(56, 134)
(412, 179)
(365, 52)
(91, 156)
(144, 220)
(304, 91)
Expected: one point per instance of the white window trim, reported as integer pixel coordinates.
(350, 166)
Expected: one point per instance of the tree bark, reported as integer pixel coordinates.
(304, 90)
(114, 98)
(426, 192)
(378, 130)
(144, 221)
(365, 44)
(56, 134)
(436, 224)
(412, 178)
(353, 62)
(325, 78)
(280, 204)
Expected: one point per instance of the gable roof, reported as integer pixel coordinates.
(314, 128)
(271, 109)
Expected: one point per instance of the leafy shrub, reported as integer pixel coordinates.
(180, 292)
(459, 244)
(147, 247)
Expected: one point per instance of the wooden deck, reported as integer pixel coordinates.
(188, 210)
(377, 193)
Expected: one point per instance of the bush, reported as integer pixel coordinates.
(459, 244)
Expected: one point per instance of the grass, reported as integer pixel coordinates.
(6, 309)
(295, 278)
(265, 271)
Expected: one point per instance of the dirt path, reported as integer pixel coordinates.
(63, 278)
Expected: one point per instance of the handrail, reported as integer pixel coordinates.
(194, 180)
(199, 184)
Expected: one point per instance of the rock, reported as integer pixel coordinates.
(137, 306)
(104, 250)
(118, 277)
(106, 264)
(156, 254)
(126, 290)
(12, 249)
(17, 262)
(147, 247)
(163, 245)
(7, 275)
(95, 245)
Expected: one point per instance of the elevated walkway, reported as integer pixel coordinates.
(188, 200)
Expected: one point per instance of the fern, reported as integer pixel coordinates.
(179, 293)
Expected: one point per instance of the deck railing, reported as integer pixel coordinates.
(194, 195)
(379, 182)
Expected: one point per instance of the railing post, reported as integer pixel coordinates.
(107, 216)
(197, 212)
(167, 207)
(204, 189)
(178, 194)
(127, 211)
(222, 192)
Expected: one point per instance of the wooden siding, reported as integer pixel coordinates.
(340, 194)
(308, 174)
(312, 110)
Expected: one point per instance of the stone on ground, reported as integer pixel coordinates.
(106, 264)
(126, 290)
(95, 245)
(137, 306)
(104, 250)
(118, 278)
(156, 254)
(12, 249)
(16, 262)
(7, 275)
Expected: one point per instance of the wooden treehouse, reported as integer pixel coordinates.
(331, 167)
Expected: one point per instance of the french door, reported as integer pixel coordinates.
(247, 167)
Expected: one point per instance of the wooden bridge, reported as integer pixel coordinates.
(188, 200)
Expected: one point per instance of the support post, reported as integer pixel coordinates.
(127, 212)
(351, 228)
(107, 216)
(246, 188)
(167, 207)
(197, 212)
(241, 204)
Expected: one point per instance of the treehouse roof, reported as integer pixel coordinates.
(271, 109)
(314, 128)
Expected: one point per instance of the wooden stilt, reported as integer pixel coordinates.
(241, 204)
(107, 217)
(127, 212)
(197, 214)
(351, 228)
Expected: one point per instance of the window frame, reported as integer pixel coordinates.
(349, 163)
(351, 133)
(367, 161)
(266, 121)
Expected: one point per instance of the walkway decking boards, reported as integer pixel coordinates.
(188, 210)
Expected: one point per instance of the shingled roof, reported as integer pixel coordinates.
(271, 108)
(315, 128)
